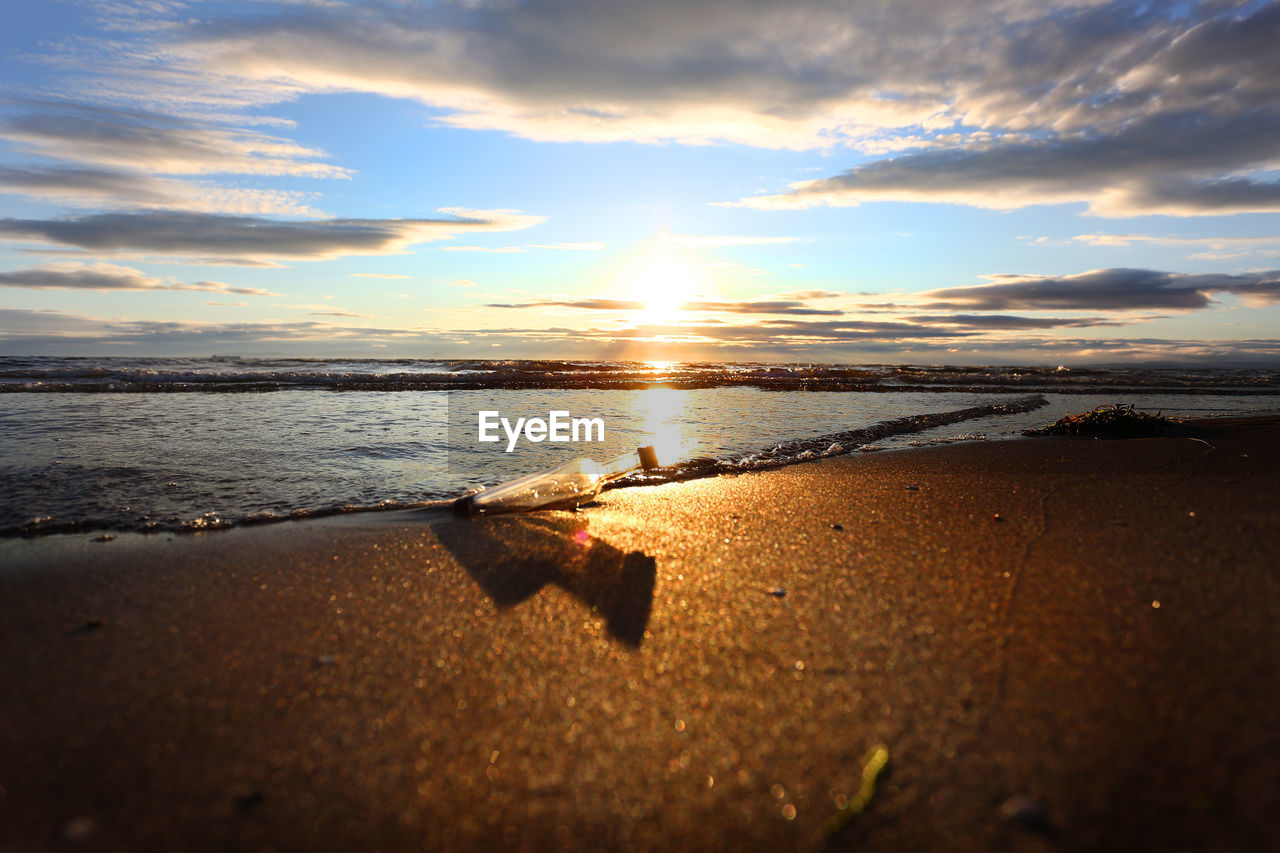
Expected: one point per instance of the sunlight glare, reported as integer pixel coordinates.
(663, 422)
(662, 281)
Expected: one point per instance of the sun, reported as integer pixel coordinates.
(662, 281)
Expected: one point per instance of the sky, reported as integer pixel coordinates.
(918, 181)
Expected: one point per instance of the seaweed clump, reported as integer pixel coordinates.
(1118, 421)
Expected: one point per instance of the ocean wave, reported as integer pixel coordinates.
(775, 456)
(824, 446)
(223, 374)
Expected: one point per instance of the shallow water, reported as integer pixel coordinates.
(107, 455)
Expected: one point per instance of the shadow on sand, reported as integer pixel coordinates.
(512, 557)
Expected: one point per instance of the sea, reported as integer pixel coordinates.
(106, 445)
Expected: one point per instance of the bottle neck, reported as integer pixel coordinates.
(621, 465)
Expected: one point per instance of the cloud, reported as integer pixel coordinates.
(16, 323)
(127, 159)
(805, 295)
(765, 306)
(748, 72)
(1155, 164)
(35, 332)
(78, 276)
(762, 306)
(1109, 290)
(228, 262)
(584, 304)
(852, 340)
(127, 190)
(1102, 239)
(26, 331)
(800, 75)
(87, 186)
(998, 322)
(1120, 290)
(1126, 108)
(156, 144)
(763, 333)
(1212, 248)
(251, 238)
(805, 74)
(838, 330)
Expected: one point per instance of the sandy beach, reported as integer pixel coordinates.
(1063, 644)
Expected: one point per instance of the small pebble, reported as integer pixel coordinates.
(106, 537)
(913, 488)
(837, 526)
(326, 660)
(996, 517)
(778, 592)
(79, 829)
(1026, 811)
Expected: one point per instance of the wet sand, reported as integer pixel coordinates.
(1064, 644)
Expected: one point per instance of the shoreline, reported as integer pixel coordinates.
(1183, 427)
(701, 664)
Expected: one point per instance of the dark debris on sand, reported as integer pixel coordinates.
(1120, 420)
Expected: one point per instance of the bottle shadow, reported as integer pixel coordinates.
(512, 557)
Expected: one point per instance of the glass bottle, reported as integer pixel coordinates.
(563, 487)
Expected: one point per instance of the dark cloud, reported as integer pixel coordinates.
(763, 306)
(36, 332)
(53, 325)
(1108, 290)
(1148, 166)
(800, 74)
(810, 332)
(1173, 116)
(92, 185)
(850, 330)
(252, 238)
(77, 276)
(584, 304)
(819, 340)
(156, 144)
(776, 306)
(805, 295)
(54, 331)
(1228, 195)
(996, 322)
(1129, 108)
(104, 188)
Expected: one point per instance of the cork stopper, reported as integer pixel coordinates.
(648, 457)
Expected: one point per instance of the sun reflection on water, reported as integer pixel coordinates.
(661, 419)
